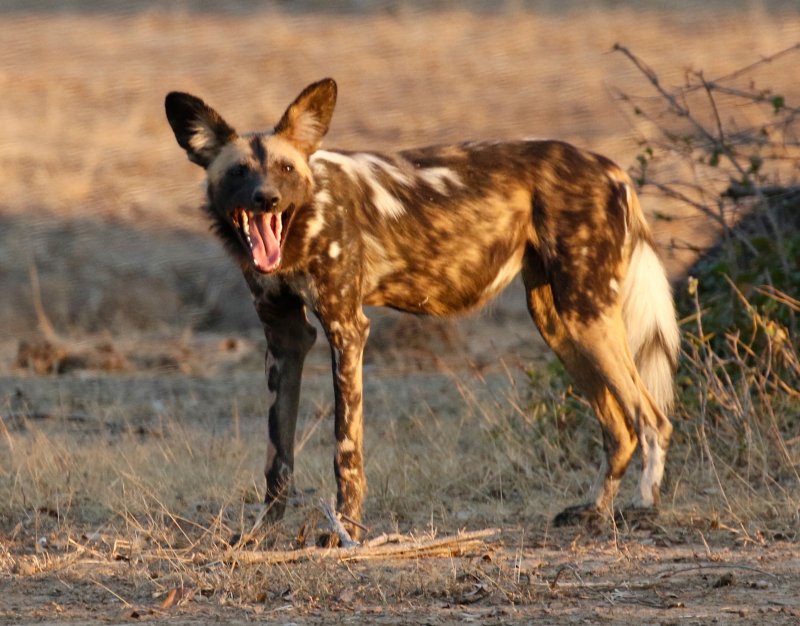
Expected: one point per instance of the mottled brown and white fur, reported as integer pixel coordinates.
(439, 230)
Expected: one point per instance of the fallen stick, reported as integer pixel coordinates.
(336, 525)
(457, 545)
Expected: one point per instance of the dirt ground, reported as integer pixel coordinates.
(80, 553)
(132, 391)
(653, 577)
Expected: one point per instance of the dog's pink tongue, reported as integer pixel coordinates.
(265, 248)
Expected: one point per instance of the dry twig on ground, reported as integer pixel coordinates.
(382, 547)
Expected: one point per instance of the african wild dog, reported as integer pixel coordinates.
(439, 230)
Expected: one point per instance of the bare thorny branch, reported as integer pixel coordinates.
(717, 138)
(744, 154)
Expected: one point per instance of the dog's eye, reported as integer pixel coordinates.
(288, 168)
(237, 171)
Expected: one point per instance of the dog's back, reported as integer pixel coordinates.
(443, 229)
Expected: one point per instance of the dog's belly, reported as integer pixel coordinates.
(447, 256)
(445, 286)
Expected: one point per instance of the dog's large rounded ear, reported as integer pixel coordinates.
(199, 129)
(307, 119)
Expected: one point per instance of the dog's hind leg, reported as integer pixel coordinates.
(603, 342)
(619, 436)
(289, 338)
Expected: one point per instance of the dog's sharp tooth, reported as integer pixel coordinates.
(246, 224)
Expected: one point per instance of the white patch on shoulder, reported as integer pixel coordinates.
(323, 198)
(439, 177)
(317, 166)
(378, 163)
(361, 169)
(334, 250)
(614, 285)
(386, 204)
(315, 225)
(348, 164)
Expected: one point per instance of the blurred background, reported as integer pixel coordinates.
(100, 230)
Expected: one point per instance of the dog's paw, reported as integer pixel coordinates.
(275, 506)
(578, 515)
(328, 540)
(636, 518)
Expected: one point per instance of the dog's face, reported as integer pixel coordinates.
(257, 181)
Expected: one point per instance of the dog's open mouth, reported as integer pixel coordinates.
(262, 234)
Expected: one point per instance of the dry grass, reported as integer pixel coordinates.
(744, 407)
(155, 507)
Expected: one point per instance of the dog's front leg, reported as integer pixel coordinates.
(289, 338)
(347, 336)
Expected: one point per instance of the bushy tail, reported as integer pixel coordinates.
(649, 315)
